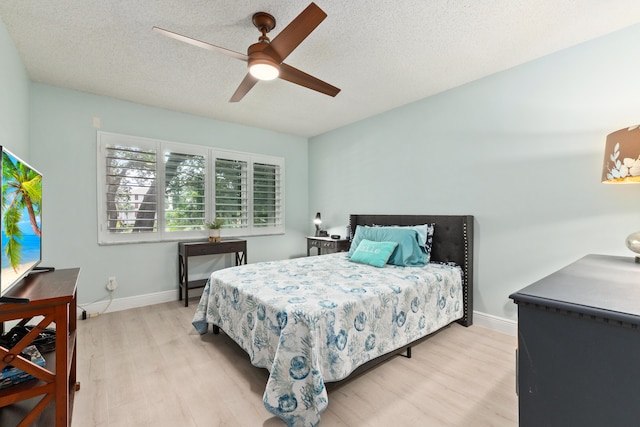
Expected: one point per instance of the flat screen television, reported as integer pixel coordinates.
(21, 212)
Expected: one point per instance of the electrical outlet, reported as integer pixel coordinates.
(112, 285)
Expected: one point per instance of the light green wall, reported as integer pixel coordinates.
(521, 150)
(63, 147)
(53, 129)
(14, 98)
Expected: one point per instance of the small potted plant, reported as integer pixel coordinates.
(214, 229)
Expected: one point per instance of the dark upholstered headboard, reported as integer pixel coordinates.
(452, 242)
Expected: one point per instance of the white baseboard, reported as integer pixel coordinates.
(126, 303)
(489, 321)
(500, 324)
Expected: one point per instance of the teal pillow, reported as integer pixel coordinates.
(410, 251)
(425, 232)
(373, 253)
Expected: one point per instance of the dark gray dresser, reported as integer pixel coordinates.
(578, 359)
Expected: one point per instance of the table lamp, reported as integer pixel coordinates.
(622, 166)
(317, 221)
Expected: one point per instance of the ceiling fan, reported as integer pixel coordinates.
(265, 58)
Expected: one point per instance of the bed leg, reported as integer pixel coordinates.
(216, 330)
(408, 352)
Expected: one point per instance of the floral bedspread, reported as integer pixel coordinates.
(314, 320)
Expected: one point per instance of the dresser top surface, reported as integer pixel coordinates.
(595, 284)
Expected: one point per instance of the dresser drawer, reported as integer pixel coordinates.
(322, 244)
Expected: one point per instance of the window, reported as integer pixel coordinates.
(266, 195)
(152, 190)
(231, 191)
(184, 190)
(131, 177)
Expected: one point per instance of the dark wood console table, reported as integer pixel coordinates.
(189, 249)
(578, 345)
(52, 296)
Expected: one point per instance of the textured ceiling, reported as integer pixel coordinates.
(381, 53)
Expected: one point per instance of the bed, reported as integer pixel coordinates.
(314, 320)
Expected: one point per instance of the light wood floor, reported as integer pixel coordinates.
(148, 367)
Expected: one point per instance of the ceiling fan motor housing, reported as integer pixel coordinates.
(257, 57)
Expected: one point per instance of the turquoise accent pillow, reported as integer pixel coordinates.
(410, 251)
(373, 253)
(425, 232)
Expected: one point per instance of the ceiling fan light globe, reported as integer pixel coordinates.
(263, 71)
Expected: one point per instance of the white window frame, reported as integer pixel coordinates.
(273, 161)
(230, 155)
(250, 230)
(183, 149)
(107, 238)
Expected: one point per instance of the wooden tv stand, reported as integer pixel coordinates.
(46, 400)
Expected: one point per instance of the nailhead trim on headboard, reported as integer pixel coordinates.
(466, 271)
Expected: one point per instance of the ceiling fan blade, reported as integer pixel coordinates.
(245, 86)
(301, 78)
(298, 30)
(201, 44)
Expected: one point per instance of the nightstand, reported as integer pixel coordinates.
(327, 244)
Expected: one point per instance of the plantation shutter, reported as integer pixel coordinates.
(151, 191)
(131, 193)
(231, 192)
(266, 195)
(185, 201)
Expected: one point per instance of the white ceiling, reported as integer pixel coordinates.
(381, 53)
